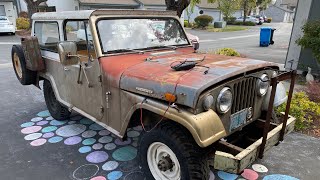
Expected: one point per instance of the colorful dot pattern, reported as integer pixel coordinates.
(107, 156)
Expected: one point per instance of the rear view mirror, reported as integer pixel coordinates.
(68, 53)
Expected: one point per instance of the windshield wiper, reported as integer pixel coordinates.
(163, 46)
(129, 50)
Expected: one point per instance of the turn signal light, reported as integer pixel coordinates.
(170, 97)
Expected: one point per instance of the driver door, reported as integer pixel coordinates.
(83, 80)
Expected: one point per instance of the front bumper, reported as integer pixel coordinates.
(234, 159)
(7, 29)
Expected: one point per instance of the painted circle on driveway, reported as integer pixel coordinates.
(41, 123)
(105, 139)
(89, 141)
(73, 140)
(55, 139)
(71, 130)
(85, 171)
(225, 175)
(57, 123)
(279, 177)
(38, 142)
(44, 113)
(104, 132)
(85, 149)
(97, 157)
(89, 134)
(31, 129)
(122, 143)
(97, 146)
(49, 129)
(126, 153)
(259, 168)
(110, 146)
(27, 124)
(48, 135)
(36, 119)
(250, 174)
(110, 165)
(32, 136)
(114, 175)
(96, 127)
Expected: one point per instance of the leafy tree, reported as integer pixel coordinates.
(247, 5)
(190, 11)
(228, 7)
(311, 38)
(32, 6)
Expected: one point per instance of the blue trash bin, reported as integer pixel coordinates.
(265, 36)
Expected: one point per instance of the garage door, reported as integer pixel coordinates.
(2, 10)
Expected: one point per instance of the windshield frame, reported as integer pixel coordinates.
(139, 17)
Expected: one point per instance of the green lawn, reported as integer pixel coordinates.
(228, 28)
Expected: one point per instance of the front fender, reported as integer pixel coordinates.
(206, 128)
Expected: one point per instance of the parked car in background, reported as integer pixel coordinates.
(248, 19)
(6, 26)
(260, 18)
(265, 18)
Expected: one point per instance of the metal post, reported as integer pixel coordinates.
(286, 115)
(274, 82)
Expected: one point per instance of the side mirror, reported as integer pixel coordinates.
(196, 45)
(68, 53)
(194, 40)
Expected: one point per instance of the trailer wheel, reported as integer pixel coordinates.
(24, 75)
(57, 111)
(169, 152)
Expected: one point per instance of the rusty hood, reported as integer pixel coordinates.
(151, 74)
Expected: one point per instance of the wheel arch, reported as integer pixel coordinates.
(206, 128)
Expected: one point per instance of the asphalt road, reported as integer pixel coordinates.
(64, 151)
(247, 42)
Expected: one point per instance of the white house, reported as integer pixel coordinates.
(8, 8)
(210, 9)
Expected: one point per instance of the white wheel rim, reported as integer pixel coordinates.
(156, 152)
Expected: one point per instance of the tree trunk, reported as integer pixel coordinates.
(245, 10)
(179, 6)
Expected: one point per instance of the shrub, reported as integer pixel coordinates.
(203, 21)
(304, 110)
(22, 23)
(228, 52)
(249, 23)
(311, 38)
(230, 20)
(269, 20)
(313, 91)
(185, 23)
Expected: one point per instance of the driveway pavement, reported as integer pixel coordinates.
(247, 42)
(35, 146)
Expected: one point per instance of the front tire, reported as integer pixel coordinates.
(56, 110)
(169, 152)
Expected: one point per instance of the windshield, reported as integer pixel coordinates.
(125, 34)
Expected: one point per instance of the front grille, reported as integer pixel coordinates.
(244, 94)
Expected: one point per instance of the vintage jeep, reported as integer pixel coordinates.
(123, 68)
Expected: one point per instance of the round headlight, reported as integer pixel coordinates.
(207, 102)
(263, 85)
(224, 100)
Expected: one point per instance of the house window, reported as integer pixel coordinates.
(48, 35)
(2, 10)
